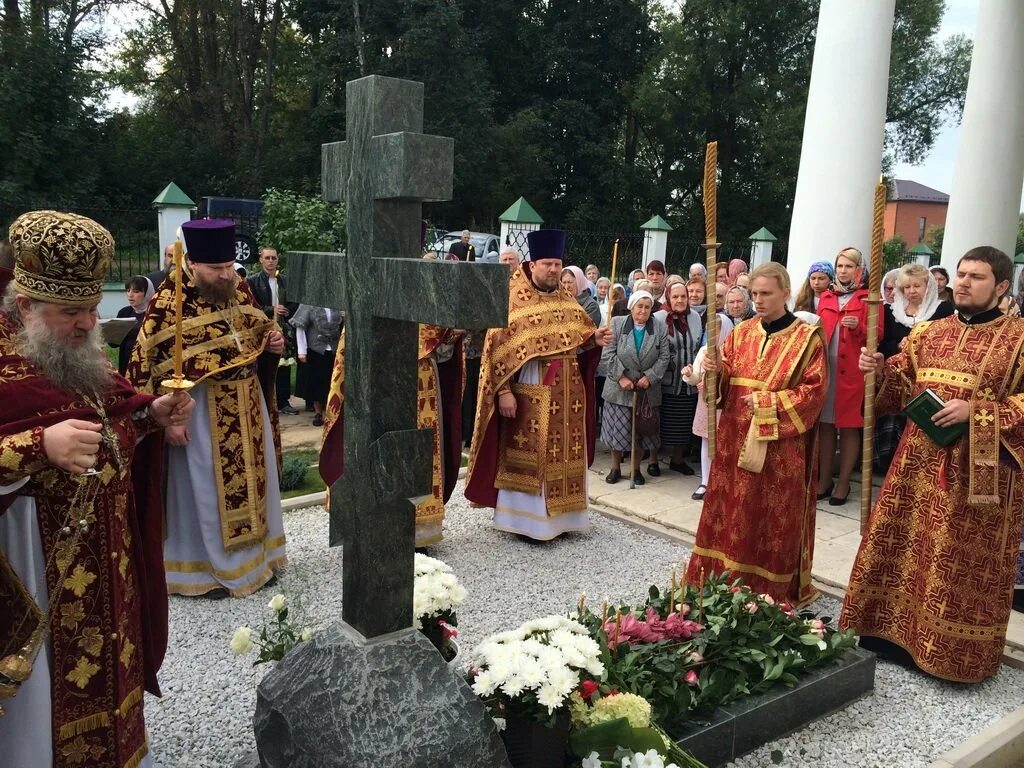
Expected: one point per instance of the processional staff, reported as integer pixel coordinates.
(711, 245)
(615, 261)
(874, 300)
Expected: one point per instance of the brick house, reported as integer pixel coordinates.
(913, 210)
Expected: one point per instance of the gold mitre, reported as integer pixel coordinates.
(60, 258)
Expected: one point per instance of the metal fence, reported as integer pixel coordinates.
(137, 246)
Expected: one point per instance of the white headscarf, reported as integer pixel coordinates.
(928, 305)
(636, 296)
(893, 274)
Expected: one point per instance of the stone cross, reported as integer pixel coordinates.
(384, 171)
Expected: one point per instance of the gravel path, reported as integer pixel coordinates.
(205, 717)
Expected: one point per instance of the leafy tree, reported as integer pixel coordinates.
(295, 222)
(934, 239)
(893, 251)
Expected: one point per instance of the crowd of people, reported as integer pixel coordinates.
(83, 586)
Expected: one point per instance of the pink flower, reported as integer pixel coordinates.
(691, 678)
(750, 607)
(587, 689)
(817, 627)
(675, 626)
(683, 609)
(767, 598)
(786, 607)
(447, 630)
(734, 590)
(696, 657)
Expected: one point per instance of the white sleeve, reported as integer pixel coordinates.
(300, 340)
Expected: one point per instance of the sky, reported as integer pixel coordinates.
(936, 170)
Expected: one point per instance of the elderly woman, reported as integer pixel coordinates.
(634, 362)
(574, 281)
(696, 290)
(738, 306)
(685, 329)
(736, 268)
(698, 270)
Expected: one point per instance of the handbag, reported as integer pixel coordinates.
(647, 421)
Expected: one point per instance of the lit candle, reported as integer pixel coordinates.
(179, 374)
(615, 262)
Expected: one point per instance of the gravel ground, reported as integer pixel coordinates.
(204, 719)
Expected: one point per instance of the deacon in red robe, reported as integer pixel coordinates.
(83, 606)
(935, 572)
(758, 517)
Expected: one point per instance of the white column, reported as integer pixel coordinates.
(169, 219)
(655, 246)
(984, 205)
(760, 253)
(841, 155)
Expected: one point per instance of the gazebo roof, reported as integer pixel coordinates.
(173, 197)
(521, 212)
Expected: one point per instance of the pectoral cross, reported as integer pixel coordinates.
(384, 170)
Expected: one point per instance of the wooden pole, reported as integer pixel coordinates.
(711, 314)
(874, 300)
(615, 263)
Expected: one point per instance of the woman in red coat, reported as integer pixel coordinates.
(844, 311)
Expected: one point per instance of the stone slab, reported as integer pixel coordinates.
(1001, 745)
(341, 701)
(745, 725)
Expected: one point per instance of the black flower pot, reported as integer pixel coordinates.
(533, 745)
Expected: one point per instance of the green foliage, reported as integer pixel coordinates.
(296, 222)
(293, 472)
(748, 645)
(893, 251)
(933, 239)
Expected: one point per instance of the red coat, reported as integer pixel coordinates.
(849, 407)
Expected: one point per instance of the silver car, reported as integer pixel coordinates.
(483, 243)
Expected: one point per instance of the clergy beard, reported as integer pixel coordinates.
(219, 292)
(970, 310)
(81, 368)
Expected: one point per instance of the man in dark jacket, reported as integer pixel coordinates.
(463, 250)
(268, 286)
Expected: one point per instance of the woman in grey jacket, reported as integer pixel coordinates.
(635, 360)
(316, 336)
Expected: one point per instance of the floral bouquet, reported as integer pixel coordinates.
(436, 594)
(530, 672)
(275, 639)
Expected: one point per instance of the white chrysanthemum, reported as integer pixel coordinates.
(563, 680)
(484, 684)
(548, 697)
(533, 674)
(513, 685)
(595, 667)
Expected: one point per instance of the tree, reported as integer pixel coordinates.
(295, 222)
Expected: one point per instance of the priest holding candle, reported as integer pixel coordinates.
(204, 331)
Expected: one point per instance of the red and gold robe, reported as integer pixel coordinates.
(758, 517)
(439, 387)
(220, 349)
(106, 588)
(935, 572)
(550, 443)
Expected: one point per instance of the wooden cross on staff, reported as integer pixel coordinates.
(384, 171)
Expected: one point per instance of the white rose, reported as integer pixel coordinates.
(593, 760)
(241, 641)
(305, 634)
(276, 602)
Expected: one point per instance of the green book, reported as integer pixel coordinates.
(920, 411)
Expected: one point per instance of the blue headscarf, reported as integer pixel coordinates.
(825, 267)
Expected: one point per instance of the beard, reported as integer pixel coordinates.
(966, 307)
(219, 292)
(82, 368)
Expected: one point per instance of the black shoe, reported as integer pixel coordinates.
(698, 495)
(654, 470)
(836, 501)
(682, 467)
(318, 420)
(826, 493)
(288, 410)
(613, 476)
(638, 478)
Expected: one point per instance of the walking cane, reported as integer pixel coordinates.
(632, 456)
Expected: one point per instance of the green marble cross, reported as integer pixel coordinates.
(384, 171)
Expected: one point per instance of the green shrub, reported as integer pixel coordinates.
(293, 472)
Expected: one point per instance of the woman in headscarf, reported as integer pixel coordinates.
(698, 270)
(738, 305)
(634, 276)
(696, 290)
(844, 316)
(678, 399)
(737, 267)
(942, 281)
(889, 285)
(140, 290)
(915, 300)
(635, 360)
(574, 281)
(819, 279)
(604, 296)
